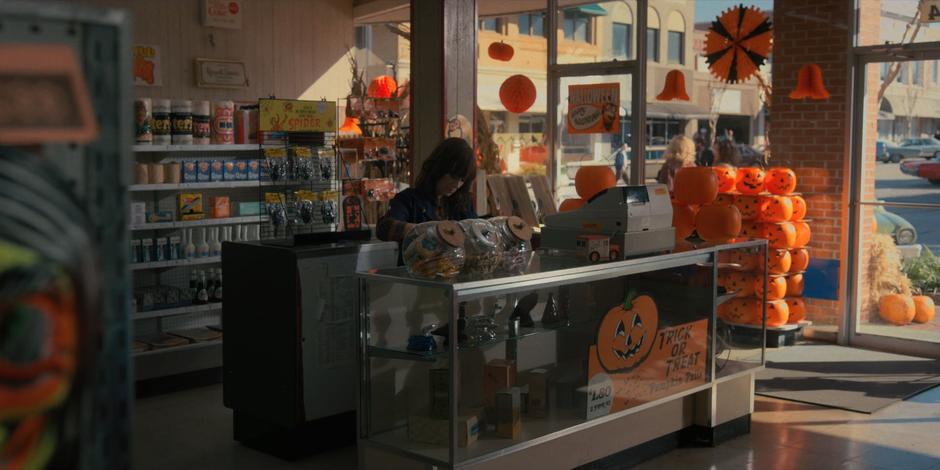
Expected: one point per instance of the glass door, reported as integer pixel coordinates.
(896, 200)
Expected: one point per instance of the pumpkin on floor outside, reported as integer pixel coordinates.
(778, 313)
(897, 309)
(776, 287)
(924, 309)
(795, 285)
(590, 180)
(797, 310)
(696, 185)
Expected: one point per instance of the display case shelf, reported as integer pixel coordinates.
(176, 263)
(199, 223)
(198, 185)
(169, 312)
(195, 148)
(216, 343)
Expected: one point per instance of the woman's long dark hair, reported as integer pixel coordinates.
(452, 157)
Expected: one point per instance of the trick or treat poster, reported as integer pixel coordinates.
(594, 109)
(634, 361)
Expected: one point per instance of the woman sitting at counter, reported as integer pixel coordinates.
(441, 192)
(680, 153)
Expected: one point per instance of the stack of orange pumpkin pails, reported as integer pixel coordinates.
(748, 203)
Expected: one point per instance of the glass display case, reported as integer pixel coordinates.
(461, 371)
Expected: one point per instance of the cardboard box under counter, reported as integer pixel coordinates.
(437, 431)
(438, 385)
(509, 413)
(498, 374)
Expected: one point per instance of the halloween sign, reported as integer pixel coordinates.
(297, 116)
(147, 65)
(594, 109)
(634, 361)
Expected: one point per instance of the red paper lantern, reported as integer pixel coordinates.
(500, 51)
(351, 126)
(674, 88)
(383, 87)
(810, 84)
(517, 94)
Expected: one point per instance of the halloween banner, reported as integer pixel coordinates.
(633, 362)
(594, 109)
(297, 116)
(147, 65)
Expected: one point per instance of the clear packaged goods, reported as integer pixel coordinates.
(483, 243)
(434, 249)
(516, 245)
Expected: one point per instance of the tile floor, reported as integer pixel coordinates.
(192, 430)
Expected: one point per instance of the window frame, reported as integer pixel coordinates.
(681, 41)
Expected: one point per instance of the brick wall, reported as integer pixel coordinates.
(812, 136)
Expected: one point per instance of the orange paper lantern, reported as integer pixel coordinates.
(383, 86)
(500, 51)
(718, 223)
(780, 181)
(799, 208)
(674, 88)
(683, 219)
(570, 205)
(750, 180)
(775, 209)
(810, 84)
(696, 185)
(727, 177)
(517, 93)
(351, 126)
(590, 180)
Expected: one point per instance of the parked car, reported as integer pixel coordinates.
(898, 227)
(929, 170)
(926, 147)
(884, 149)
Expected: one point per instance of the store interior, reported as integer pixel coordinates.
(469, 234)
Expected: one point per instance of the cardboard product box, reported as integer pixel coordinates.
(159, 216)
(498, 374)
(138, 213)
(509, 413)
(190, 172)
(241, 170)
(221, 207)
(439, 396)
(249, 208)
(538, 393)
(203, 171)
(190, 206)
(229, 171)
(216, 170)
(253, 171)
(437, 431)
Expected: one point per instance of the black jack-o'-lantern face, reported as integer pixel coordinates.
(750, 207)
(776, 209)
(626, 334)
(780, 181)
(750, 180)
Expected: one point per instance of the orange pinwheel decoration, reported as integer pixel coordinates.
(738, 43)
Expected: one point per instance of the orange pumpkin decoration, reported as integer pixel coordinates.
(746, 260)
(799, 260)
(779, 180)
(683, 219)
(750, 207)
(799, 208)
(898, 309)
(382, 86)
(724, 199)
(740, 311)
(775, 209)
(750, 180)
(570, 205)
(752, 230)
(683, 245)
(776, 287)
(696, 185)
(797, 310)
(780, 235)
(500, 51)
(795, 285)
(803, 234)
(727, 177)
(740, 282)
(778, 313)
(778, 261)
(718, 223)
(517, 93)
(627, 333)
(924, 309)
(590, 180)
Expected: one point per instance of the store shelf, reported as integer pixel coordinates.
(195, 148)
(176, 263)
(199, 223)
(169, 312)
(202, 185)
(186, 347)
(403, 353)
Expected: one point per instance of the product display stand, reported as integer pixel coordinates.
(617, 355)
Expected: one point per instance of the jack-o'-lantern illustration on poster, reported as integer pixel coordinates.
(594, 109)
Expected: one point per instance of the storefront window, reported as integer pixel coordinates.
(917, 77)
(577, 26)
(893, 22)
(596, 32)
(676, 49)
(622, 35)
(532, 24)
(490, 24)
(652, 44)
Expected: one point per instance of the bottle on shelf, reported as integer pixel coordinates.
(202, 297)
(238, 233)
(190, 244)
(217, 293)
(215, 248)
(193, 287)
(202, 250)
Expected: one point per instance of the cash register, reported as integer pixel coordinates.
(638, 220)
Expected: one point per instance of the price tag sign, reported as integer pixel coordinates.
(929, 11)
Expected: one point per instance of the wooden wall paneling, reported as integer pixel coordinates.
(521, 201)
